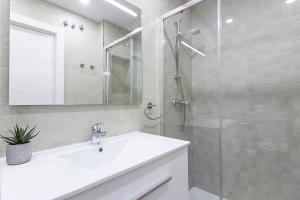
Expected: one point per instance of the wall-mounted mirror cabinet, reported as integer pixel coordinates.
(75, 52)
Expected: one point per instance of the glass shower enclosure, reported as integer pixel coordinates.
(231, 82)
(190, 97)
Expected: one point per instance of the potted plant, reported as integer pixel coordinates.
(18, 148)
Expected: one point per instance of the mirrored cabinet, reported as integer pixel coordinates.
(65, 52)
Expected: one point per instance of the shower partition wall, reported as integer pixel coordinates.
(191, 109)
(261, 99)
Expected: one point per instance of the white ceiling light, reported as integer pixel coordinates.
(124, 8)
(192, 48)
(85, 2)
(289, 1)
(228, 21)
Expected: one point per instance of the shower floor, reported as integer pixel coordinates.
(198, 194)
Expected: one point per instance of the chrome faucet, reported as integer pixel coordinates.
(97, 133)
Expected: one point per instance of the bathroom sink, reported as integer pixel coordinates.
(91, 158)
(63, 172)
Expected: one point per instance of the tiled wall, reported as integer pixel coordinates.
(112, 32)
(261, 99)
(62, 125)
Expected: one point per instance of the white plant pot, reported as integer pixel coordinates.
(18, 154)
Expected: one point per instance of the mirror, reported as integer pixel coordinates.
(123, 60)
(75, 52)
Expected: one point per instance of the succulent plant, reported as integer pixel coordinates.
(20, 135)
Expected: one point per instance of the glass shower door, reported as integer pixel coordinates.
(190, 61)
(261, 99)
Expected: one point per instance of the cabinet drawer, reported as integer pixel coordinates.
(161, 193)
(158, 180)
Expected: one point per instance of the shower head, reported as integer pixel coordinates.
(195, 31)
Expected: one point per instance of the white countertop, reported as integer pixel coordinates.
(63, 172)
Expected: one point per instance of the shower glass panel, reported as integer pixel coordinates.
(190, 62)
(261, 99)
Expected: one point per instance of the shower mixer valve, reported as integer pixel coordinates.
(180, 102)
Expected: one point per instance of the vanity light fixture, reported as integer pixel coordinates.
(290, 1)
(122, 7)
(85, 2)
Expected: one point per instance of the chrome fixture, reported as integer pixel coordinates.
(177, 48)
(92, 67)
(180, 102)
(150, 106)
(73, 25)
(180, 40)
(97, 134)
(195, 31)
(65, 23)
(81, 27)
(147, 110)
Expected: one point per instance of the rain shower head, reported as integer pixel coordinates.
(192, 32)
(195, 31)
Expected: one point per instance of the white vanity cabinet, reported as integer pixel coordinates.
(133, 166)
(163, 179)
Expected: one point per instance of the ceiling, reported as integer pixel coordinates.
(98, 10)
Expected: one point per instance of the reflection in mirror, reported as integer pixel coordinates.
(124, 73)
(58, 55)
